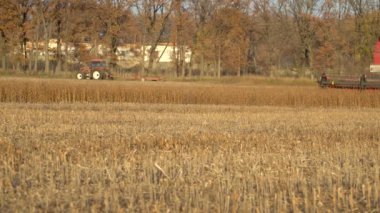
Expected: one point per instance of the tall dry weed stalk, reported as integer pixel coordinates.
(58, 91)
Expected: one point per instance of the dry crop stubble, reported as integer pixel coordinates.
(159, 157)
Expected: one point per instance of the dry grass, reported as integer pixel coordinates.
(192, 147)
(139, 157)
(58, 91)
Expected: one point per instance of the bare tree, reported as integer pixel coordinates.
(303, 13)
(15, 18)
(113, 18)
(183, 30)
(43, 10)
(202, 11)
(154, 15)
(365, 28)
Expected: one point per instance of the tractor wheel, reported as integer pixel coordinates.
(96, 75)
(79, 76)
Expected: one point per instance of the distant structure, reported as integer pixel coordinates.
(127, 55)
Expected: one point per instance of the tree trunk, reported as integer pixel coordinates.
(219, 60)
(36, 53)
(2, 51)
(310, 55)
(59, 46)
(24, 41)
(175, 55)
(307, 57)
(4, 61)
(202, 65)
(30, 60)
(239, 64)
(182, 56)
(215, 67)
(17, 65)
(59, 56)
(142, 71)
(36, 45)
(191, 64)
(65, 61)
(151, 58)
(46, 47)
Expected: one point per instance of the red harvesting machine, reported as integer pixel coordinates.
(369, 80)
(375, 66)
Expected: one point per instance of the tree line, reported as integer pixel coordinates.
(226, 37)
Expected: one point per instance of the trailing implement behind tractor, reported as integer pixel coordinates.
(95, 69)
(363, 81)
(369, 80)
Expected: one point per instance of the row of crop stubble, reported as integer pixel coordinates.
(57, 91)
(159, 158)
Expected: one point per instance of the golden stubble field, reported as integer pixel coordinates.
(94, 155)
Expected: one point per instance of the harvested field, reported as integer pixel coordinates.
(160, 157)
(193, 147)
